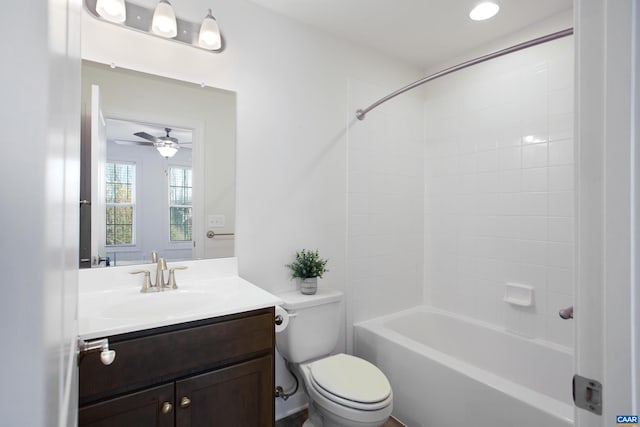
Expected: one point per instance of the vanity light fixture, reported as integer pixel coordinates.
(483, 11)
(160, 21)
(209, 36)
(112, 10)
(164, 20)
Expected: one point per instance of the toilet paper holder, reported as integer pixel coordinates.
(279, 319)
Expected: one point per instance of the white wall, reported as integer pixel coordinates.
(499, 190)
(607, 297)
(39, 245)
(293, 115)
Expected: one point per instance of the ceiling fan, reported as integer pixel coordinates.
(166, 144)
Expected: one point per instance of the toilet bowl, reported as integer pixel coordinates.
(343, 390)
(347, 391)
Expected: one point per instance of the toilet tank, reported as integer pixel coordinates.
(314, 324)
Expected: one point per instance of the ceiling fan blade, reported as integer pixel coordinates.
(147, 136)
(128, 142)
(186, 145)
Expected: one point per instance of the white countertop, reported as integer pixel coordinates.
(110, 301)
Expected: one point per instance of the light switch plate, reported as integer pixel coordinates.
(216, 220)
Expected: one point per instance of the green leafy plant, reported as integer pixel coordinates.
(307, 264)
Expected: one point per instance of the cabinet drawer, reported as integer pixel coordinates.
(166, 356)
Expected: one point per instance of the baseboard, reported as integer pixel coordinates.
(291, 411)
(400, 423)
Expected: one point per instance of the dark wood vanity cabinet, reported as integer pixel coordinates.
(144, 408)
(216, 372)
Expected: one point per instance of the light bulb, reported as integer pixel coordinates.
(484, 11)
(112, 10)
(209, 37)
(164, 20)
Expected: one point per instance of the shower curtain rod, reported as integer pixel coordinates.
(361, 113)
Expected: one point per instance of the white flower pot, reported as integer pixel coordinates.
(309, 286)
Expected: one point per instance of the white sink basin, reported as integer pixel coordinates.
(110, 301)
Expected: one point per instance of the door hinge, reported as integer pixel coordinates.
(587, 394)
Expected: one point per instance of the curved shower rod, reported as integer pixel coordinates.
(361, 113)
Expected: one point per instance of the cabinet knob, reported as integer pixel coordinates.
(167, 408)
(185, 402)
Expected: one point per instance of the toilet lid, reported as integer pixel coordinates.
(351, 378)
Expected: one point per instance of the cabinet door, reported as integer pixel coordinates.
(149, 408)
(239, 396)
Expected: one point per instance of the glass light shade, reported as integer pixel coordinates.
(484, 11)
(167, 150)
(209, 37)
(164, 20)
(112, 10)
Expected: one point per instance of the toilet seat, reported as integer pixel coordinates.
(351, 382)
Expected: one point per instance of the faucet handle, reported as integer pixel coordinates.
(154, 257)
(172, 276)
(146, 281)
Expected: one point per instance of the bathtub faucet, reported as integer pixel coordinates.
(566, 313)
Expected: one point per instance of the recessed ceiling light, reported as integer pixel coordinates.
(484, 11)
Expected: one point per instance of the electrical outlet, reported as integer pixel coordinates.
(216, 220)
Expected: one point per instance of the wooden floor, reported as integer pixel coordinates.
(297, 419)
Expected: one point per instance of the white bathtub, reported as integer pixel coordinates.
(447, 371)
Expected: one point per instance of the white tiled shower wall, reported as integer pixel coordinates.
(499, 189)
(385, 204)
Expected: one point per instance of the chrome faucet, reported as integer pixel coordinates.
(161, 267)
(159, 284)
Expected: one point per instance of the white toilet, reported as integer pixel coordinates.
(343, 390)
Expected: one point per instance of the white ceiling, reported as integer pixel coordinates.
(421, 32)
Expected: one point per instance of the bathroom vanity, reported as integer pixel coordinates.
(211, 364)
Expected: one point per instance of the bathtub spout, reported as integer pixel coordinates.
(566, 313)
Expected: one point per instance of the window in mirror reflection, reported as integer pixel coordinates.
(180, 209)
(137, 108)
(120, 203)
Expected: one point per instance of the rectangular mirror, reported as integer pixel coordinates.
(158, 168)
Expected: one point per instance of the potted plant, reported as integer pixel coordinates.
(307, 267)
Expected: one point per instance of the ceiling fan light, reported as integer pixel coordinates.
(164, 20)
(112, 10)
(209, 37)
(167, 150)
